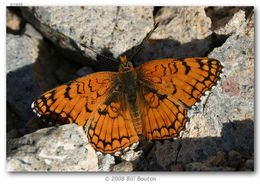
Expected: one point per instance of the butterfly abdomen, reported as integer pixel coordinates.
(128, 85)
(136, 118)
(129, 90)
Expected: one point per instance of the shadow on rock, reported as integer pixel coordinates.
(229, 152)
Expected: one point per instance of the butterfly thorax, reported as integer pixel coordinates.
(127, 79)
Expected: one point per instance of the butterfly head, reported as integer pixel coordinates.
(125, 65)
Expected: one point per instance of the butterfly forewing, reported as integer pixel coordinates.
(185, 80)
(75, 101)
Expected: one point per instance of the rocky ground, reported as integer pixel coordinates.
(43, 51)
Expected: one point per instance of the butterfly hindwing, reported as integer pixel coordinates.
(111, 128)
(161, 116)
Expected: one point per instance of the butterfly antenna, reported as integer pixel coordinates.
(144, 41)
(93, 50)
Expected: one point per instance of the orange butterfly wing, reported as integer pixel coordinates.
(90, 102)
(111, 128)
(162, 117)
(75, 101)
(170, 86)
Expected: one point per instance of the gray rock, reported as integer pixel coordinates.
(124, 166)
(237, 54)
(113, 29)
(198, 166)
(235, 159)
(63, 148)
(183, 32)
(249, 165)
(14, 23)
(22, 51)
(21, 86)
(183, 24)
(105, 162)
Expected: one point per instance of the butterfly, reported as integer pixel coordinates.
(116, 107)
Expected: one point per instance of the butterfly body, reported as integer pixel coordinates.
(115, 107)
